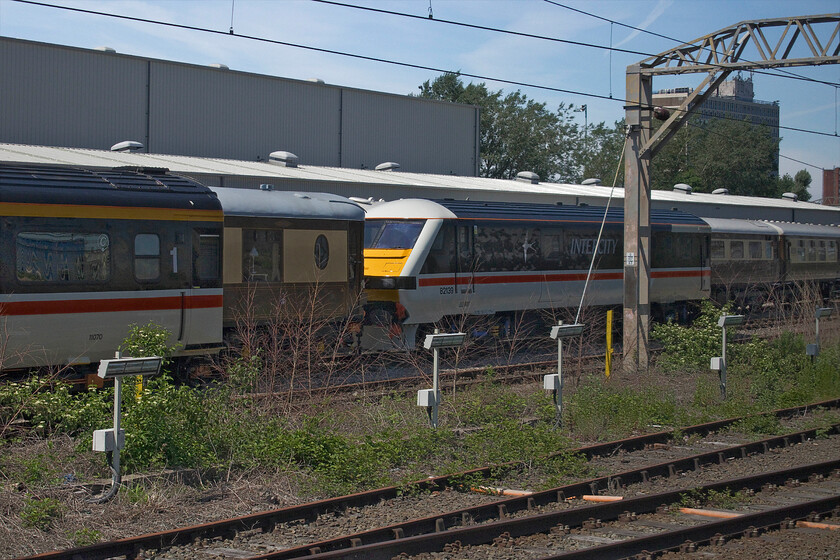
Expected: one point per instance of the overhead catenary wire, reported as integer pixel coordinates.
(775, 73)
(610, 48)
(369, 58)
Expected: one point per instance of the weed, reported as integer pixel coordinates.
(41, 512)
(85, 537)
(134, 493)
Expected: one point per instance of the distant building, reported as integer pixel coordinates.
(53, 95)
(734, 99)
(831, 187)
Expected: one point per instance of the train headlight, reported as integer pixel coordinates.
(389, 283)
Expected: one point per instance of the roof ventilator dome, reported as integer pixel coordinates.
(683, 188)
(266, 187)
(315, 80)
(388, 166)
(127, 146)
(592, 182)
(105, 49)
(286, 159)
(528, 177)
(720, 191)
(790, 196)
(220, 66)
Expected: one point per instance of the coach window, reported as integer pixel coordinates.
(831, 254)
(207, 260)
(60, 257)
(768, 250)
(718, 250)
(441, 257)
(147, 256)
(736, 249)
(812, 250)
(821, 251)
(755, 250)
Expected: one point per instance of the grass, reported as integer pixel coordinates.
(336, 446)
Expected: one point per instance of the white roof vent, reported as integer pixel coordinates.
(127, 146)
(286, 159)
(592, 182)
(790, 196)
(220, 66)
(388, 166)
(528, 177)
(720, 191)
(683, 188)
(266, 187)
(315, 80)
(105, 49)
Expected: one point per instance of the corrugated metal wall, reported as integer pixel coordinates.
(63, 96)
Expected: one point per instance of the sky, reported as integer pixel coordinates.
(596, 75)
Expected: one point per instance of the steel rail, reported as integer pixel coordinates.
(267, 520)
(499, 509)
(543, 523)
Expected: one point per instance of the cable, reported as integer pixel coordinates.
(534, 36)
(374, 59)
(603, 223)
(681, 42)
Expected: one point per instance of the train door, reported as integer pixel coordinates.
(203, 314)
(465, 271)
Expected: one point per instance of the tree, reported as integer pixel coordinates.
(516, 133)
(601, 152)
(721, 153)
(802, 180)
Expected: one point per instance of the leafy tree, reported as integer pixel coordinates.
(600, 153)
(516, 133)
(721, 153)
(802, 179)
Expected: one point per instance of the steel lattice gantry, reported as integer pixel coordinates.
(749, 45)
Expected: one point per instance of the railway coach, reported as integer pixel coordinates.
(426, 261)
(84, 254)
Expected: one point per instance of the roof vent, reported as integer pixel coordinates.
(360, 200)
(127, 146)
(315, 80)
(105, 49)
(790, 196)
(593, 181)
(388, 166)
(220, 66)
(266, 187)
(528, 177)
(286, 159)
(720, 191)
(683, 188)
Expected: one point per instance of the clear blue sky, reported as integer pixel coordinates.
(431, 43)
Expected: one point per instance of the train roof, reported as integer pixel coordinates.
(125, 186)
(760, 227)
(391, 185)
(282, 204)
(418, 208)
(742, 227)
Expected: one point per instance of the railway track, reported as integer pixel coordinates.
(234, 535)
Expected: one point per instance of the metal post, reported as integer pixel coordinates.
(115, 463)
(723, 367)
(435, 389)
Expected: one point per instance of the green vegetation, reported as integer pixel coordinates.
(331, 447)
(41, 512)
(724, 499)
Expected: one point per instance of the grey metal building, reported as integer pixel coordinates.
(53, 95)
